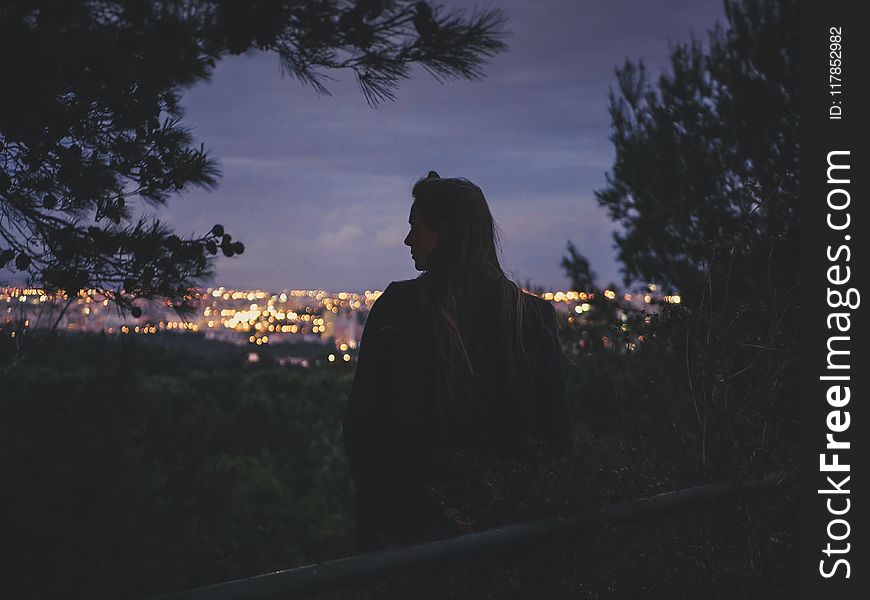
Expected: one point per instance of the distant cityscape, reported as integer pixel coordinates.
(241, 317)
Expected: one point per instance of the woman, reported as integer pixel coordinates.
(458, 360)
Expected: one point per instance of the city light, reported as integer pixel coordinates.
(256, 317)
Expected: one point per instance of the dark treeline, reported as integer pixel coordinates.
(130, 482)
(125, 483)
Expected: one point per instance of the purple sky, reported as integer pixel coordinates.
(318, 188)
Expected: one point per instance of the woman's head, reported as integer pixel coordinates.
(453, 238)
(452, 230)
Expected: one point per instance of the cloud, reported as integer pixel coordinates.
(391, 237)
(343, 239)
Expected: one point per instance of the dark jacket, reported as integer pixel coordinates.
(395, 439)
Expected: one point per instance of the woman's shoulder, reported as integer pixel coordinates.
(539, 307)
(395, 303)
(535, 300)
(399, 291)
(403, 286)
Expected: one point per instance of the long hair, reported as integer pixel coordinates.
(466, 255)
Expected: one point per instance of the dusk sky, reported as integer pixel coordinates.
(318, 188)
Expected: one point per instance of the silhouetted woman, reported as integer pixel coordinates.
(457, 360)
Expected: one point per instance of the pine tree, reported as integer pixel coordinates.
(91, 117)
(705, 189)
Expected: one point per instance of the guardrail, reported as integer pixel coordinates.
(352, 570)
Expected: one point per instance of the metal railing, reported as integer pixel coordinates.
(364, 568)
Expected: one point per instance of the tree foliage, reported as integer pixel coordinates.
(133, 482)
(578, 269)
(705, 189)
(136, 466)
(90, 120)
(707, 160)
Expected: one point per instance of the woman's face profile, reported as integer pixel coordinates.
(421, 240)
